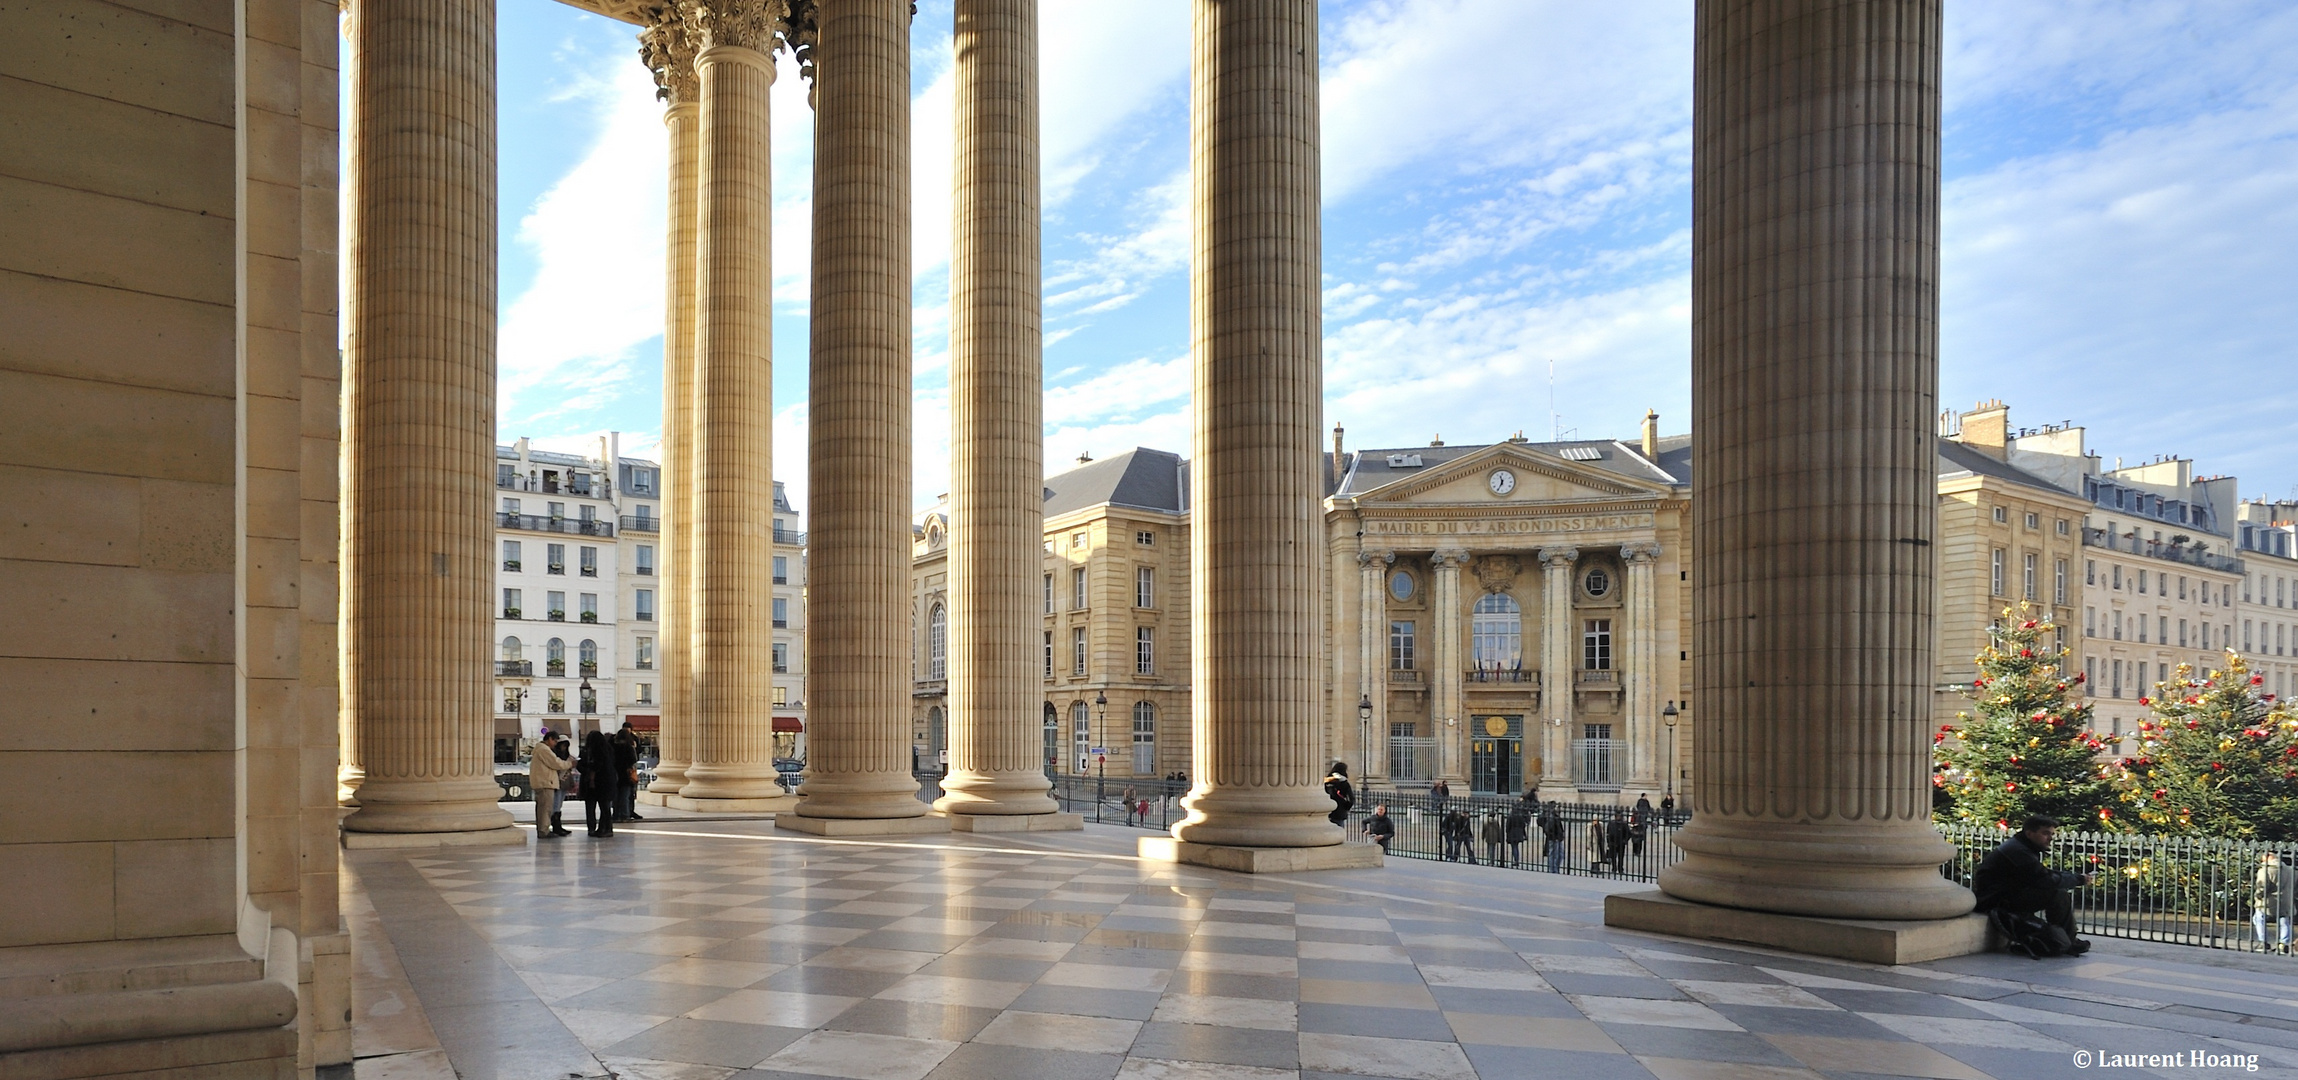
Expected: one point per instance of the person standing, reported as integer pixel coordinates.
(2273, 894)
(1552, 836)
(1519, 830)
(1439, 798)
(1616, 836)
(626, 774)
(1493, 834)
(1639, 825)
(546, 770)
(600, 785)
(1337, 789)
(1380, 828)
(1667, 810)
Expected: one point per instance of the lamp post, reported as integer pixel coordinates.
(585, 693)
(1668, 716)
(1363, 737)
(1101, 760)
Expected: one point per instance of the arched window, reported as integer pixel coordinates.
(588, 651)
(555, 657)
(511, 648)
(1144, 737)
(937, 643)
(1496, 631)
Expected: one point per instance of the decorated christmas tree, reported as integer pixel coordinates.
(2026, 745)
(2218, 758)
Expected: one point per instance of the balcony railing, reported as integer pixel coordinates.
(1404, 676)
(1596, 677)
(592, 571)
(1501, 675)
(2189, 554)
(555, 667)
(517, 669)
(786, 536)
(545, 523)
(587, 668)
(641, 524)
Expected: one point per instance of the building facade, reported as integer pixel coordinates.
(575, 555)
(2267, 535)
(2005, 536)
(1511, 616)
(2160, 570)
(1114, 648)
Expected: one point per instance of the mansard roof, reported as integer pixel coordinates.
(1140, 478)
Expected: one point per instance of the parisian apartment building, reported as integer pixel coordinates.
(2267, 534)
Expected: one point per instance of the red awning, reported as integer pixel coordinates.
(787, 723)
(644, 723)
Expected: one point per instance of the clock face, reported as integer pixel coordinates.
(1501, 481)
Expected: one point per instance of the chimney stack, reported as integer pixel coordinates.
(1651, 435)
(1987, 429)
(1337, 468)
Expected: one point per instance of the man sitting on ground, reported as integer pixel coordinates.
(2014, 888)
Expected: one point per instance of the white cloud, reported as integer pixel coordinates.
(1120, 391)
(1466, 86)
(1101, 64)
(597, 294)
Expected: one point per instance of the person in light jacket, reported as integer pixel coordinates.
(546, 770)
(2272, 896)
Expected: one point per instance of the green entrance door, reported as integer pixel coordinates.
(1496, 755)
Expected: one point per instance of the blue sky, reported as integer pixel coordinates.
(1507, 194)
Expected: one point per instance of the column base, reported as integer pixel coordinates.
(922, 825)
(776, 804)
(1012, 823)
(508, 836)
(654, 798)
(1261, 860)
(1873, 941)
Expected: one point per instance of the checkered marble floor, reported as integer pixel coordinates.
(708, 951)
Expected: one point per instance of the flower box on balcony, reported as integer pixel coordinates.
(556, 668)
(558, 616)
(510, 613)
(590, 616)
(511, 564)
(558, 568)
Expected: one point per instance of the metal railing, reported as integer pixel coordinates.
(1411, 757)
(2184, 890)
(2193, 555)
(641, 524)
(1590, 846)
(545, 523)
(515, 668)
(1102, 800)
(1500, 675)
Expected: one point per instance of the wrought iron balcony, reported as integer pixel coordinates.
(648, 524)
(518, 669)
(1501, 675)
(546, 523)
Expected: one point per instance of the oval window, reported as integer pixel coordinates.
(1598, 583)
(1400, 585)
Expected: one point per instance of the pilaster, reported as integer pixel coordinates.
(1444, 693)
(1556, 666)
(1639, 654)
(1372, 669)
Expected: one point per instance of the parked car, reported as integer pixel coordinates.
(789, 771)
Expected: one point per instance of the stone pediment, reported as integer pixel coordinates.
(1537, 477)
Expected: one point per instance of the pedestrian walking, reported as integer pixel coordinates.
(626, 774)
(1595, 844)
(599, 783)
(2273, 895)
(1337, 789)
(546, 770)
(1494, 834)
(1380, 828)
(1128, 800)
(1639, 824)
(1459, 839)
(1552, 836)
(1439, 798)
(1519, 830)
(1616, 835)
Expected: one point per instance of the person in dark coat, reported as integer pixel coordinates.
(600, 784)
(1552, 836)
(1338, 790)
(2013, 880)
(1380, 828)
(626, 774)
(1519, 830)
(1616, 834)
(1459, 837)
(1639, 825)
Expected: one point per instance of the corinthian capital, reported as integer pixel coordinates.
(1559, 558)
(747, 24)
(667, 47)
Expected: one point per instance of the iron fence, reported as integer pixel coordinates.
(2185, 890)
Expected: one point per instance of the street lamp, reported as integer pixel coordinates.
(1668, 716)
(1363, 737)
(588, 695)
(1101, 760)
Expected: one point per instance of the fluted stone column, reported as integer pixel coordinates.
(349, 772)
(1556, 666)
(1256, 326)
(731, 574)
(668, 49)
(423, 423)
(1814, 340)
(997, 437)
(1372, 666)
(1640, 664)
(1444, 694)
(857, 634)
